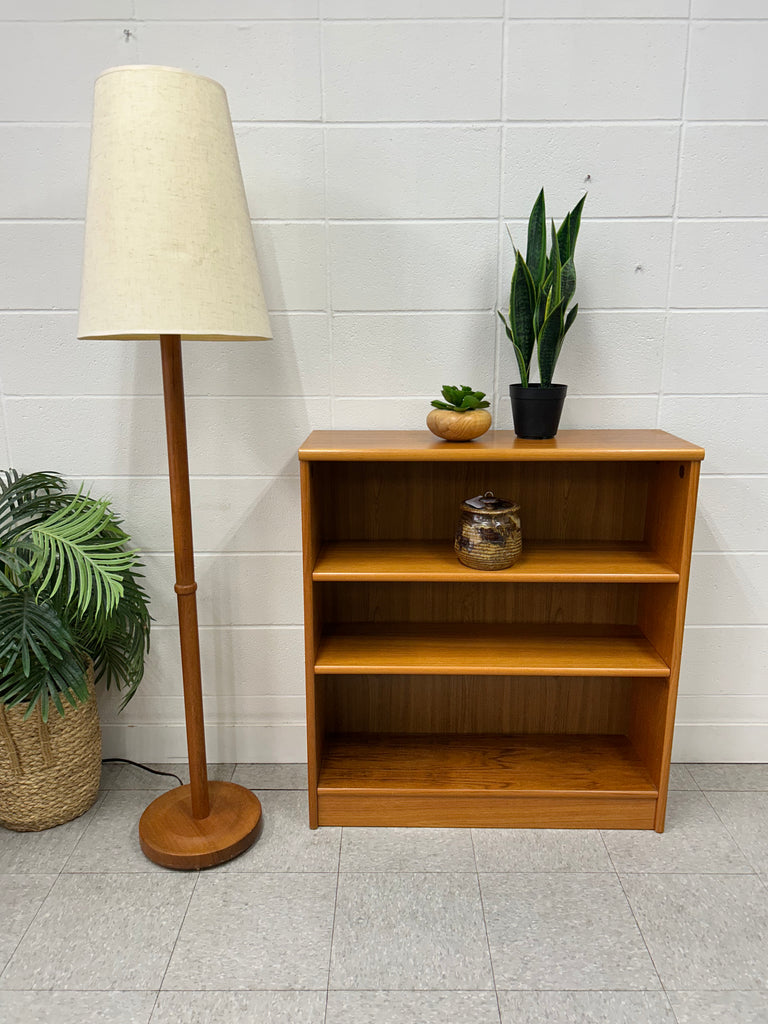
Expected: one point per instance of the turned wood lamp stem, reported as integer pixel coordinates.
(183, 552)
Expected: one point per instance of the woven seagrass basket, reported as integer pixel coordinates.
(49, 772)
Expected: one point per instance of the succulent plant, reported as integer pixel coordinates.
(461, 399)
(541, 290)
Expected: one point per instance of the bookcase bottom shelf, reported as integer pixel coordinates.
(519, 781)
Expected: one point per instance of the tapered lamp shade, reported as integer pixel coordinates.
(168, 242)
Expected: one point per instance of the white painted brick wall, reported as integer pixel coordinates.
(385, 145)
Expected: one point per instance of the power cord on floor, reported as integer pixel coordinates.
(137, 764)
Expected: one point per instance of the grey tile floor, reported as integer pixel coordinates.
(394, 926)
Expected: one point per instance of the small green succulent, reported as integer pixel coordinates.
(462, 399)
(541, 291)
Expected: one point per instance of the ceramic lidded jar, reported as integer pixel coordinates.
(488, 534)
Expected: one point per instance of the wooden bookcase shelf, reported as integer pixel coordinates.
(424, 561)
(540, 695)
(486, 649)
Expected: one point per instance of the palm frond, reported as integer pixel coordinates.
(69, 590)
(118, 655)
(26, 499)
(80, 548)
(39, 656)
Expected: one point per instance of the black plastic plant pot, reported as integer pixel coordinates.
(536, 410)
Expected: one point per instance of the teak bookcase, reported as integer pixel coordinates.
(542, 695)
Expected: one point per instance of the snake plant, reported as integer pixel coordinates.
(69, 592)
(541, 291)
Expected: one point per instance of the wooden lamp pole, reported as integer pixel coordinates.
(204, 823)
(183, 552)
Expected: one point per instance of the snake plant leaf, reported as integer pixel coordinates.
(570, 318)
(549, 337)
(536, 253)
(522, 366)
(507, 328)
(574, 223)
(568, 281)
(555, 269)
(566, 327)
(564, 239)
(522, 301)
(541, 307)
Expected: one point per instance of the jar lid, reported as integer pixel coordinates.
(489, 503)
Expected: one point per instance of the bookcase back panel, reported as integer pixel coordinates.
(551, 603)
(477, 704)
(420, 500)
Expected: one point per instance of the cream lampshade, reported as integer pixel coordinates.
(169, 254)
(168, 241)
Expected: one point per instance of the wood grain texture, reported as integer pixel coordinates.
(540, 562)
(688, 476)
(310, 533)
(502, 445)
(380, 501)
(482, 810)
(478, 704)
(171, 835)
(481, 603)
(528, 765)
(485, 649)
(184, 561)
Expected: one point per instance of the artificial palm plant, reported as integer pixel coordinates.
(69, 595)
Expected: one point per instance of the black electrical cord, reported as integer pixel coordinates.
(136, 764)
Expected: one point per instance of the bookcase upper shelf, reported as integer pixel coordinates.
(497, 445)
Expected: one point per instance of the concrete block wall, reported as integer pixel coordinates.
(386, 147)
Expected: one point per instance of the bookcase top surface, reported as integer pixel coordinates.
(496, 446)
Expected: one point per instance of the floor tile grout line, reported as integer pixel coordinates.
(154, 1004)
(178, 934)
(724, 823)
(485, 923)
(637, 924)
(600, 832)
(97, 810)
(333, 928)
(32, 920)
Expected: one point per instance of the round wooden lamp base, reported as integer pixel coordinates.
(170, 836)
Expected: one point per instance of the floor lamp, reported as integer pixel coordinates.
(169, 254)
